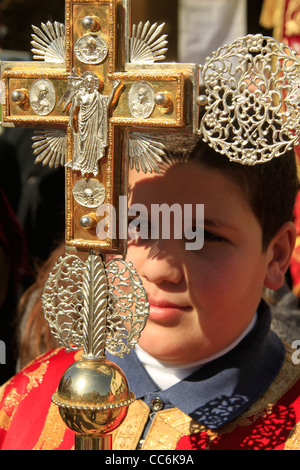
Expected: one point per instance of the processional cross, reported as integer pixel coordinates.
(98, 99)
(106, 105)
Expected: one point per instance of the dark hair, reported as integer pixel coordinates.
(269, 188)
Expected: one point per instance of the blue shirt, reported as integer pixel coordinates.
(224, 388)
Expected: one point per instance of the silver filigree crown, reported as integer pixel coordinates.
(251, 101)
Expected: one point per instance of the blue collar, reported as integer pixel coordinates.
(223, 389)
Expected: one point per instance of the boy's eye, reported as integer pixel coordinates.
(210, 237)
(140, 230)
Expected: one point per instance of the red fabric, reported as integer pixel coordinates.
(289, 33)
(26, 402)
(269, 431)
(290, 28)
(295, 260)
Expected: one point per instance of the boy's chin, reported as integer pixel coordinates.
(171, 349)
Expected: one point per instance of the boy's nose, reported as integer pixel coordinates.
(160, 267)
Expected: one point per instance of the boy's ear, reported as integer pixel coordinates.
(280, 250)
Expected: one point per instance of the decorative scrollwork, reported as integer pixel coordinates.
(250, 113)
(62, 302)
(128, 307)
(95, 306)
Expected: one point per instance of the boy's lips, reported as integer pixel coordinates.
(164, 310)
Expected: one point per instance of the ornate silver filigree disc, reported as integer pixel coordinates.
(250, 115)
(95, 306)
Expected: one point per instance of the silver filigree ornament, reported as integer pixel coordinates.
(294, 98)
(94, 305)
(250, 114)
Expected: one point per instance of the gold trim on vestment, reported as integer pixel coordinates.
(169, 426)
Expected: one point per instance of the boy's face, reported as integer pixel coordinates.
(200, 300)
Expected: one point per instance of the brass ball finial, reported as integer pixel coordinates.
(93, 397)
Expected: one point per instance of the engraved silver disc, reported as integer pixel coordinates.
(42, 97)
(91, 49)
(89, 192)
(141, 99)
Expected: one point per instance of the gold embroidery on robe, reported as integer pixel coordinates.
(127, 436)
(53, 432)
(13, 398)
(293, 441)
(5, 417)
(36, 377)
(287, 376)
(170, 425)
(167, 428)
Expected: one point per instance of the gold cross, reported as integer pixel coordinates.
(102, 100)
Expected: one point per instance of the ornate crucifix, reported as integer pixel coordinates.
(101, 97)
(98, 100)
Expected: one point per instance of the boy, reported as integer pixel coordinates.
(208, 372)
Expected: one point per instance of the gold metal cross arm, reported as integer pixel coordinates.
(92, 89)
